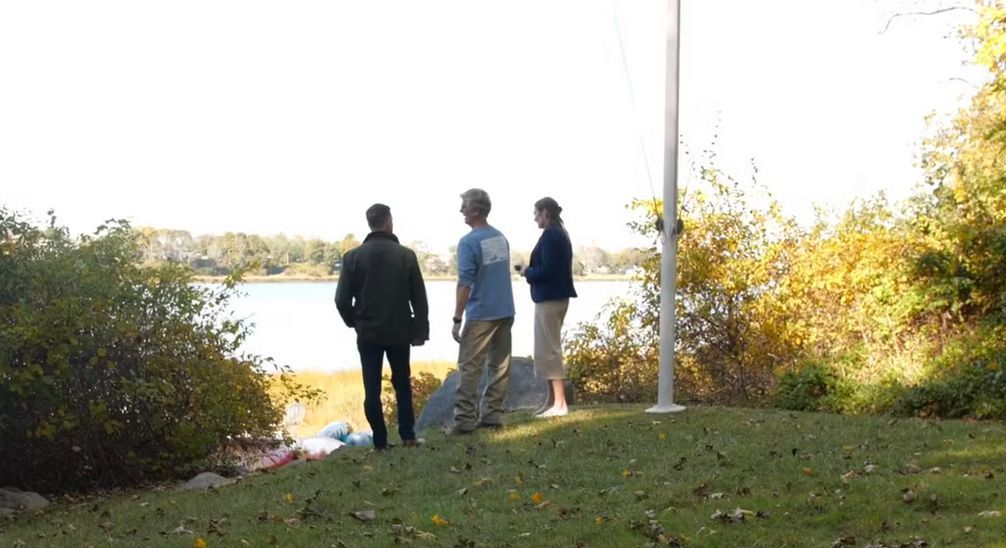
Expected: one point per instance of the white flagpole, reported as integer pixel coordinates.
(669, 256)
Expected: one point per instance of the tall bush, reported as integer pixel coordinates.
(111, 373)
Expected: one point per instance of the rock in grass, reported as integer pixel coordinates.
(525, 392)
(206, 480)
(16, 499)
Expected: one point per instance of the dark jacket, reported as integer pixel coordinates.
(381, 292)
(551, 270)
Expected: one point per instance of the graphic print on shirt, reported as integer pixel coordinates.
(494, 250)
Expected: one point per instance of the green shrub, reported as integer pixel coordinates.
(614, 361)
(967, 379)
(111, 373)
(805, 389)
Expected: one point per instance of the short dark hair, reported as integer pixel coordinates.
(378, 215)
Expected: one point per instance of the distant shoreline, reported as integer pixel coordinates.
(280, 278)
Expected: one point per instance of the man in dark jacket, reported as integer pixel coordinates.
(382, 295)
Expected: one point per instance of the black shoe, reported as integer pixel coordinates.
(414, 442)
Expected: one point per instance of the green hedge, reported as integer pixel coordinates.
(112, 374)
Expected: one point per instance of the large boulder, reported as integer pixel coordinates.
(525, 392)
(16, 499)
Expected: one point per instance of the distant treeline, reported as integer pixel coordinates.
(219, 255)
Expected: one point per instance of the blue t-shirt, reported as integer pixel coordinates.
(484, 266)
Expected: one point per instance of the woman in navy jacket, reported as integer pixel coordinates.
(550, 274)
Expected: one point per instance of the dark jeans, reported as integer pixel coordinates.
(372, 360)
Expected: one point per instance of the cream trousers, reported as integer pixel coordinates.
(548, 318)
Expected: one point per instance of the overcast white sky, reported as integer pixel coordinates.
(294, 117)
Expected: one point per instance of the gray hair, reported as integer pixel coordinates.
(477, 198)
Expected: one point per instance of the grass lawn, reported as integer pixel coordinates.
(603, 476)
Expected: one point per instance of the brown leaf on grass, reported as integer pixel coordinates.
(738, 515)
(482, 482)
(364, 515)
(216, 527)
(909, 469)
(701, 491)
(908, 496)
(990, 514)
(181, 530)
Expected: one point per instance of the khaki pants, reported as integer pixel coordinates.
(548, 317)
(484, 344)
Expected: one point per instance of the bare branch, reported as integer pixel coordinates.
(934, 12)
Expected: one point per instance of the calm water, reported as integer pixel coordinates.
(297, 323)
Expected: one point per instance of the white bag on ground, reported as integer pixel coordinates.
(318, 448)
(337, 430)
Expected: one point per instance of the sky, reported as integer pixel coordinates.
(294, 117)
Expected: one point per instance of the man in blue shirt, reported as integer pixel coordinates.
(484, 302)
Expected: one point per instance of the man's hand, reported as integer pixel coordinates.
(456, 331)
(418, 341)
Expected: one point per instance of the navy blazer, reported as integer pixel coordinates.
(551, 270)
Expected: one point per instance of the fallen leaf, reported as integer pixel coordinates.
(364, 515)
(990, 514)
(908, 496)
(288, 498)
(807, 471)
(199, 543)
(537, 497)
(662, 436)
(461, 492)
(482, 482)
(512, 495)
(701, 491)
(439, 521)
